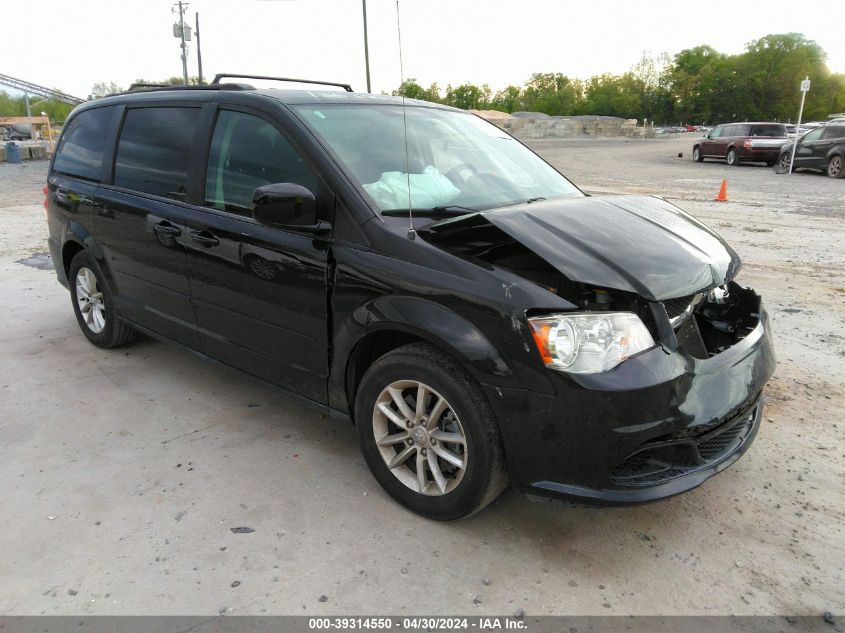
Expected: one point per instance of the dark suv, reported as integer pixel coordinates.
(742, 142)
(822, 148)
(413, 268)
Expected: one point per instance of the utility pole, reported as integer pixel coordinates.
(182, 7)
(29, 116)
(366, 47)
(199, 54)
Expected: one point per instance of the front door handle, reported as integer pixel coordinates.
(167, 229)
(205, 238)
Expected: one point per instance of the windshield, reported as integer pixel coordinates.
(454, 159)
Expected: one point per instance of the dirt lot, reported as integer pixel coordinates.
(125, 471)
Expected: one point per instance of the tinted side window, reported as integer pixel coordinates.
(768, 130)
(80, 152)
(154, 149)
(729, 130)
(248, 152)
(834, 131)
(741, 130)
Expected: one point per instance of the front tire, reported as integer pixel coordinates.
(732, 158)
(836, 167)
(696, 154)
(428, 434)
(94, 305)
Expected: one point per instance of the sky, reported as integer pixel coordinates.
(73, 44)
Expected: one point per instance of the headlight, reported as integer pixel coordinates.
(589, 343)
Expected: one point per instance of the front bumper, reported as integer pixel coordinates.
(659, 424)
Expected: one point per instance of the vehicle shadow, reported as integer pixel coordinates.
(558, 533)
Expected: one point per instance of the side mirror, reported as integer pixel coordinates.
(287, 205)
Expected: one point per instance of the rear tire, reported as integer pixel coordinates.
(732, 158)
(94, 305)
(785, 159)
(443, 460)
(836, 167)
(696, 154)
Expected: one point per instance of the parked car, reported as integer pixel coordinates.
(742, 142)
(479, 318)
(822, 148)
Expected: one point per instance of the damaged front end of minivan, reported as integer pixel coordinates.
(658, 366)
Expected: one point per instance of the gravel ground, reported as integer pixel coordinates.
(126, 471)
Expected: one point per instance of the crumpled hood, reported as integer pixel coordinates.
(640, 244)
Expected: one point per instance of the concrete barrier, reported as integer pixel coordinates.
(543, 126)
(28, 151)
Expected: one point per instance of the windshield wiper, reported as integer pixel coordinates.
(517, 202)
(446, 210)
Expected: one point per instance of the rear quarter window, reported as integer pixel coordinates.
(768, 130)
(80, 151)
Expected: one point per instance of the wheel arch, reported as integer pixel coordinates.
(69, 250)
(76, 238)
(397, 321)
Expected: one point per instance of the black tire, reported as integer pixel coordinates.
(785, 159)
(115, 331)
(732, 157)
(836, 166)
(697, 155)
(484, 476)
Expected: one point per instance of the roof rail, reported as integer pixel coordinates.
(143, 86)
(219, 76)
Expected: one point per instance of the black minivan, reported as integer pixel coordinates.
(415, 269)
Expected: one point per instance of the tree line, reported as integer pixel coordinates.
(698, 85)
(15, 105)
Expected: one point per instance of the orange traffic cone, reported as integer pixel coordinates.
(723, 192)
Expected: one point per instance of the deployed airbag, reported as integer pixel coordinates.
(428, 190)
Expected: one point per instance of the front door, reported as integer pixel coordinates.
(710, 142)
(259, 292)
(805, 153)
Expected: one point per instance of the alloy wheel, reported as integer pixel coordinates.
(785, 159)
(732, 157)
(420, 437)
(696, 154)
(834, 167)
(89, 298)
